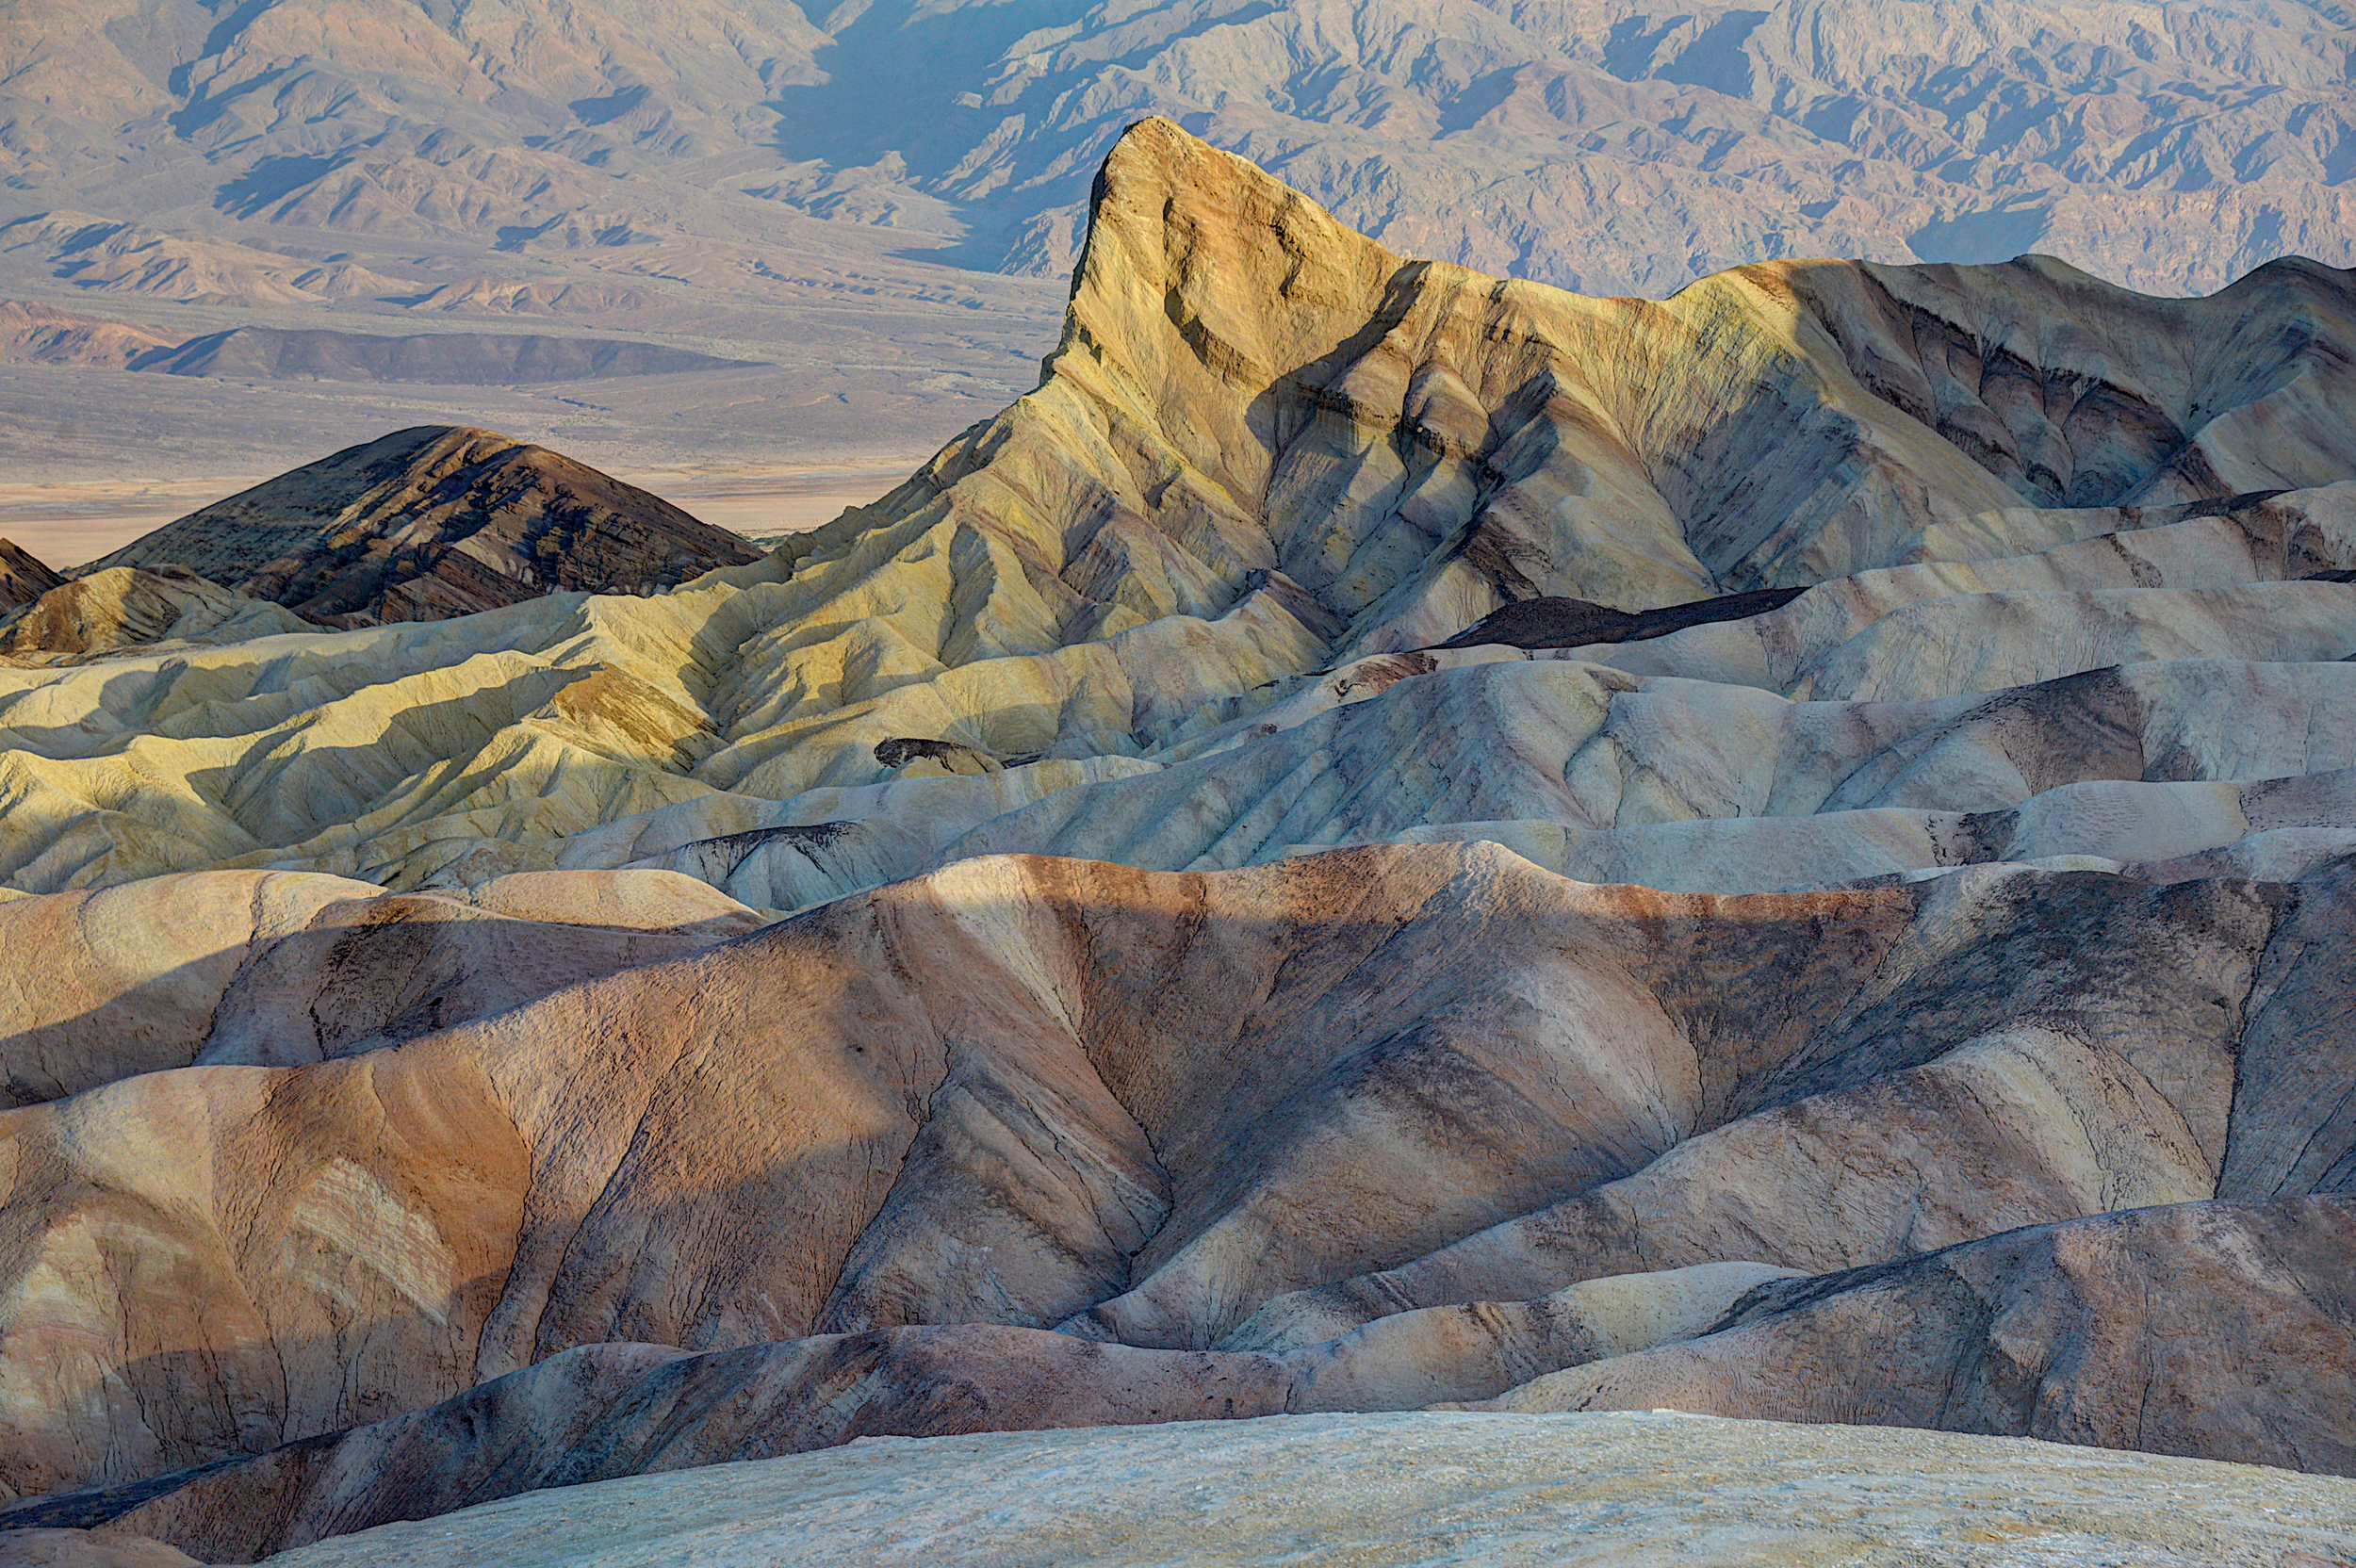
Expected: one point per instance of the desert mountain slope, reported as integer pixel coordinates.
(445, 359)
(123, 608)
(49, 336)
(2126, 1299)
(1407, 1489)
(24, 578)
(1025, 1092)
(1911, 1344)
(431, 522)
(1019, 1090)
(1186, 582)
(1167, 964)
(868, 205)
(1605, 147)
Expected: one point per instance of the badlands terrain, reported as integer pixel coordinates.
(674, 231)
(1420, 853)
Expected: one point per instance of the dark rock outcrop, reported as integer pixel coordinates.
(1552, 622)
(24, 578)
(434, 522)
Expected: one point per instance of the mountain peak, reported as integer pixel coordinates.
(437, 521)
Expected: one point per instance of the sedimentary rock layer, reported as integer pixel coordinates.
(23, 578)
(433, 522)
(1269, 469)
(1385, 838)
(1143, 1108)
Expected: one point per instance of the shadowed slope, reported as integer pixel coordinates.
(22, 579)
(2209, 1329)
(431, 522)
(1268, 460)
(1019, 1091)
(1996, 879)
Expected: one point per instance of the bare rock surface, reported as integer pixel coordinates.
(1026, 1092)
(2161, 1328)
(47, 1548)
(613, 1410)
(1609, 148)
(47, 335)
(122, 608)
(433, 522)
(275, 967)
(24, 578)
(1413, 1489)
(1109, 933)
(1188, 596)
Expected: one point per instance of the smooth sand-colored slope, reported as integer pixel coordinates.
(1413, 1490)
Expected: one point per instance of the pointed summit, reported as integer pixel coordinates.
(436, 521)
(24, 577)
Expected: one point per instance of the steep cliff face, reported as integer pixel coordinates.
(433, 522)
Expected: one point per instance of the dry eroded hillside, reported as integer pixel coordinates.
(1093, 939)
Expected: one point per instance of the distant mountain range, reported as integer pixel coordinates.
(1595, 144)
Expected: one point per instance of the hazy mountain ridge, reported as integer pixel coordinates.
(742, 180)
(1598, 146)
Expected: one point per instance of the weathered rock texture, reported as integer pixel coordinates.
(2108, 1332)
(42, 335)
(1155, 1109)
(888, 987)
(604, 1411)
(1589, 1490)
(135, 607)
(1179, 594)
(433, 522)
(23, 578)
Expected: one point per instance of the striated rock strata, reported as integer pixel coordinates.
(23, 576)
(1383, 838)
(434, 522)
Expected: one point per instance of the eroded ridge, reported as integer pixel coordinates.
(1094, 939)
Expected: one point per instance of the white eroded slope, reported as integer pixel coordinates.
(1392, 1491)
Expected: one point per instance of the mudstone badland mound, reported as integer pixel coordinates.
(434, 522)
(1097, 937)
